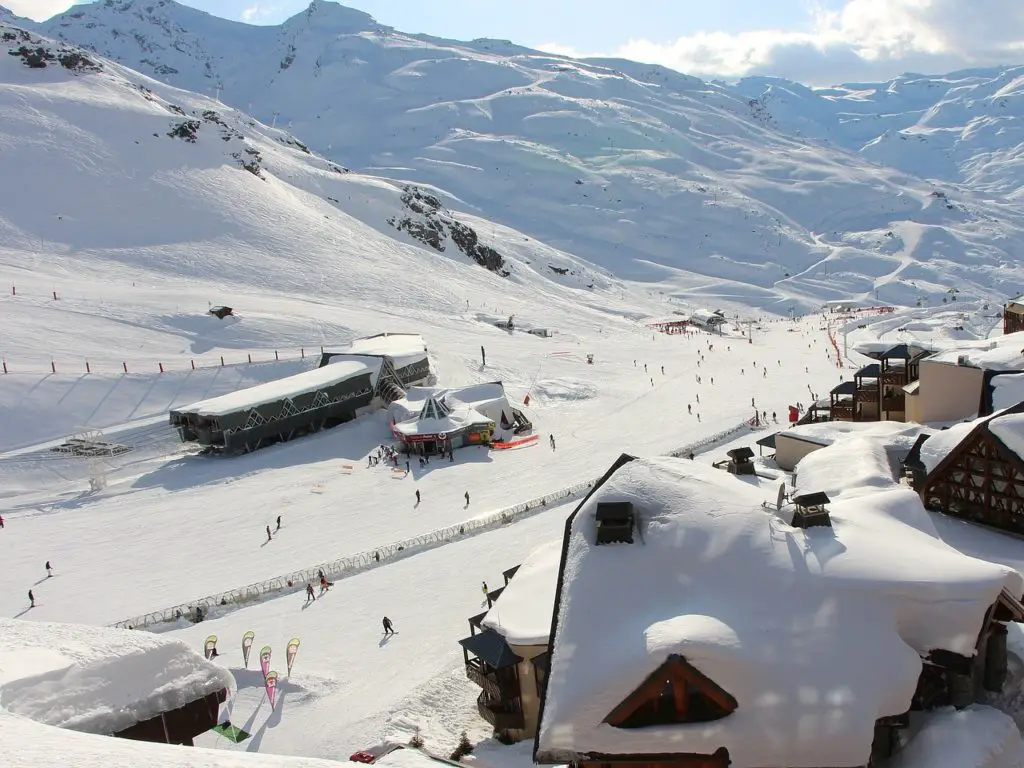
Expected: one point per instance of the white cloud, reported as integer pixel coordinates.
(865, 39)
(256, 12)
(37, 10)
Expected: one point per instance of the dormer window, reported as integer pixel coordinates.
(615, 522)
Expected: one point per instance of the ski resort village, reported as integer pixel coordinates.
(377, 397)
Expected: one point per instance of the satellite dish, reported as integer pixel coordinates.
(781, 497)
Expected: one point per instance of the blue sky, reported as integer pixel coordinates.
(812, 41)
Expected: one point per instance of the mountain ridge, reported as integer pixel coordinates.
(759, 192)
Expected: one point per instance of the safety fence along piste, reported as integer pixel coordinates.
(343, 567)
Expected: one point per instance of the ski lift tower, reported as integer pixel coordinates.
(749, 322)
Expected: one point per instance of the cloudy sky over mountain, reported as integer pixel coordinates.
(816, 41)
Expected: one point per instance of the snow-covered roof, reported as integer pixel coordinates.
(458, 418)
(522, 612)
(1007, 390)
(97, 679)
(1005, 353)
(816, 633)
(290, 386)
(1007, 425)
(976, 737)
(27, 744)
(1009, 428)
(706, 316)
(827, 432)
(854, 461)
(403, 348)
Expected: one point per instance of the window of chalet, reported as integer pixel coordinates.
(676, 693)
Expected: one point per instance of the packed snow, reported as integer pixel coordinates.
(522, 612)
(27, 744)
(99, 680)
(878, 588)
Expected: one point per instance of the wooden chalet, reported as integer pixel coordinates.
(1013, 315)
(981, 479)
(680, 692)
(878, 392)
(180, 725)
(509, 666)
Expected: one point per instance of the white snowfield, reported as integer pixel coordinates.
(27, 744)
(290, 386)
(815, 633)
(98, 680)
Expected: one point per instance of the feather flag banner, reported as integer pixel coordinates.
(265, 660)
(293, 649)
(247, 640)
(271, 683)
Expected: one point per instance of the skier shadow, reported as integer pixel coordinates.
(23, 611)
(384, 641)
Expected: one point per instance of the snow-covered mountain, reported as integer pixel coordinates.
(752, 193)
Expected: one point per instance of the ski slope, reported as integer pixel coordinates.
(211, 512)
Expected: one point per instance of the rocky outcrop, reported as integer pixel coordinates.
(248, 158)
(433, 225)
(37, 54)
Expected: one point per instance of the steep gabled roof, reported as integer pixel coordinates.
(734, 590)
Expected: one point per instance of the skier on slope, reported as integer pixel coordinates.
(269, 537)
(31, 599)
(389, 628)
(49, 569)
(309, 592)
(324, 584)
(467, 498)
(417, 495)
(279, 522)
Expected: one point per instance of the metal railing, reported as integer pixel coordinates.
(350, 565)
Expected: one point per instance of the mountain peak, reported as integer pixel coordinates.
(331, 15)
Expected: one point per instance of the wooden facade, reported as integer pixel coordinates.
(1013, 315)
(178, 726)
(979, 480)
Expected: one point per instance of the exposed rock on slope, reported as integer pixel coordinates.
(433, 225)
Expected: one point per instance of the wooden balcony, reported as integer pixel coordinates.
(503, 716)
(895, 376)
(894, 403)
(842, 412)
(475, 672)
(866, 395)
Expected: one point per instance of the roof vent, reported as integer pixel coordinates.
(810, 510)
(962, 360)
(615, 522)
(741, 461)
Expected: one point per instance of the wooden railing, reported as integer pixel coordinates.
(501, 717)
(475, 673)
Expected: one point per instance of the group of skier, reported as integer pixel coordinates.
(31, 594)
